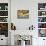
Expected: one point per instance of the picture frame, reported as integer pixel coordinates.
(23, 14)
(42, 33)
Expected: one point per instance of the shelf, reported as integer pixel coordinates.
(3, 16)
(42, 16)
(41, 28)
(3, 10)
(41, 22)
(41, 10)
(3, 22)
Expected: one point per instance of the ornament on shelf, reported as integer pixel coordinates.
(13, 27)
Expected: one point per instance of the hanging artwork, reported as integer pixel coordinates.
(42, 32)
(22, 14)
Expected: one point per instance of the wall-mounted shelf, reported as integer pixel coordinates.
(3, 22)
(42, 16)
(41, 28)
(3, 16)
(3, 10)
(41, 10)
(41, 22)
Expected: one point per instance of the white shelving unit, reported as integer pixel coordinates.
(42, 18)
(3, 21)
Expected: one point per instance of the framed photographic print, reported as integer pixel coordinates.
(3, 19)
(42, 32)
(4, 29)
(22, 14)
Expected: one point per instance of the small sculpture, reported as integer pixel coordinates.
(31, 27)
(13, 27)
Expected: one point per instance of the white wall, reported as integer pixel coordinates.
(23, 24)
(32, 6)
